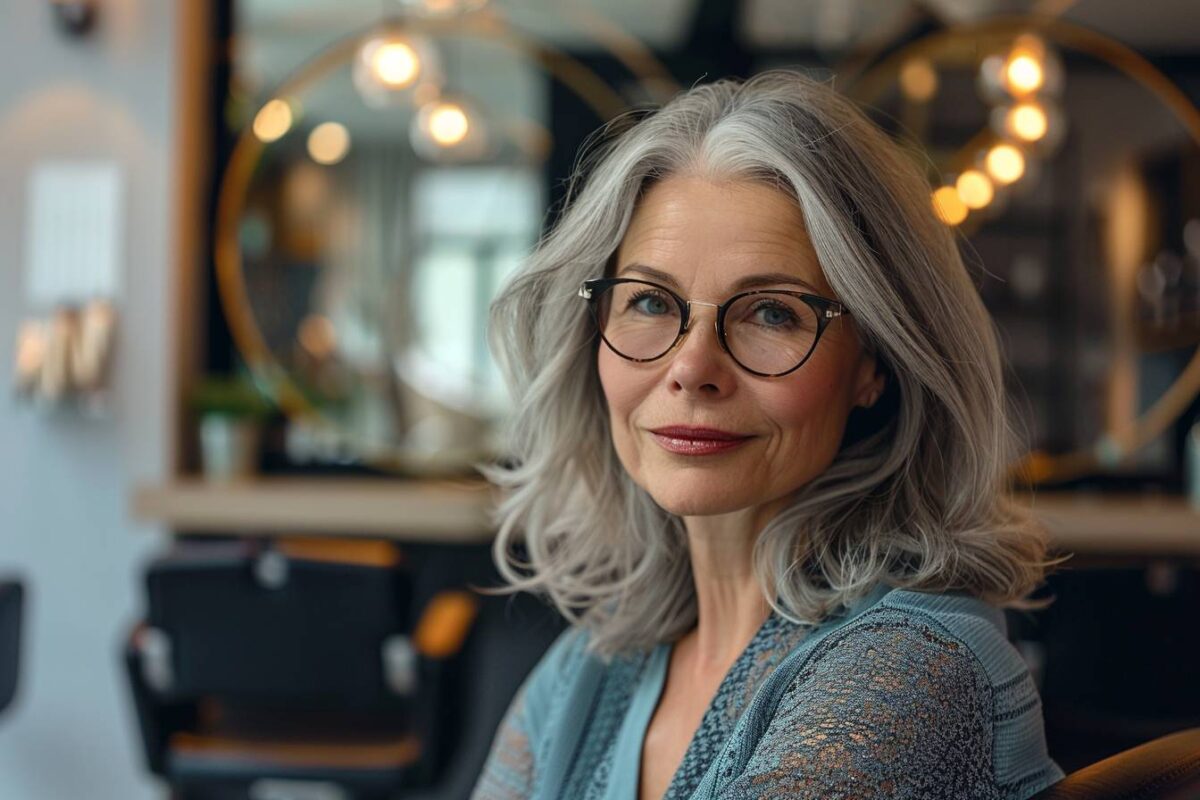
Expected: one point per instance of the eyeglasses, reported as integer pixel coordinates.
(768, 332)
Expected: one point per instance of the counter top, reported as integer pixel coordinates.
(459, 511)
(441, 511)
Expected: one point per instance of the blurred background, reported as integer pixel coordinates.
(248, 250)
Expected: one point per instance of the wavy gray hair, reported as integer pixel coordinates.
(916, 494)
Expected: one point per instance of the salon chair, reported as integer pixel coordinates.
(1117, 655)
(12, 597)
(1167, 768)
(294, 668)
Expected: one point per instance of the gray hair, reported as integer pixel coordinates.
(915, 496)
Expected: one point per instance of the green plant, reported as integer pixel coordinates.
(230, 396)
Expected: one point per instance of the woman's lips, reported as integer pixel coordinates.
(687, 446)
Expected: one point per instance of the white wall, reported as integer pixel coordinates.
(65, 481)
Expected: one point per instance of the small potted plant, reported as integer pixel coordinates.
(230, 411)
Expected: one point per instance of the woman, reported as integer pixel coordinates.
(760, 448)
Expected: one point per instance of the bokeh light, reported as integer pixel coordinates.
(974, 189)
(1024, 74)
(448, 124)
(949, 206)
(1028, 122)
(394, 63)
(1005, 164)
(273, 120)
(918, 79)
(329, 143)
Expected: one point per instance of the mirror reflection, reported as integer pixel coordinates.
(407, 157)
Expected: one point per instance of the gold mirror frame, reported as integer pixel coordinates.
(1037, 467)
(605, 102)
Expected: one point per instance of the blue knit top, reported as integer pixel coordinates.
(904, 695)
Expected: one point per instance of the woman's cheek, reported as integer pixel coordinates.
(808, 414)
(620, 397)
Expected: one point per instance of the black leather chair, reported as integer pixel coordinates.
(260, 678)
(1167, 768)
(12, 600)
(292, 668)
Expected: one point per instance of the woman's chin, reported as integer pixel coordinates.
(698, 501)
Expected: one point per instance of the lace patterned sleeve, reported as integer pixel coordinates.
(884, 709)
(508, 772)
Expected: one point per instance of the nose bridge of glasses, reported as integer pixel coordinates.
(716, 313)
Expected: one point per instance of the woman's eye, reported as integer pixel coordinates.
(650, 303)
(774, 316)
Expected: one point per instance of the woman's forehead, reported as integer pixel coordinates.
(735, 281)
(719, 233)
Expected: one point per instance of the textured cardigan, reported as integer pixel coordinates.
(904, 695)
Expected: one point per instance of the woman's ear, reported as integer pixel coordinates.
(870, 381)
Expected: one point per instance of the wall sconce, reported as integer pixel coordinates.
(66, 355)
(73, 252)
(74, 17)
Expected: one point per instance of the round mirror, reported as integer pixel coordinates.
(1082, 226)
(370, 210)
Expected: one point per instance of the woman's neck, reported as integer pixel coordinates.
(730, 602)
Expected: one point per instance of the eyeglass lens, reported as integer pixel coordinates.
(765, 332)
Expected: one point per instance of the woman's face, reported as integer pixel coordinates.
(707, 236)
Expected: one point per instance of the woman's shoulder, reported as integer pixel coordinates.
(944, 631)
(944, 623)
(942, 661)
(881, 695)
(899, 639)
(562, 659)
(568, 668)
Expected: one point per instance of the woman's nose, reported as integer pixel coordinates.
(699, 363)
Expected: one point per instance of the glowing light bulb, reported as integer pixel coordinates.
(448, 124)
(1028, 122)
(1005, 164)
(328, 143)
(948, 205)
(394, 63)
(452, 128)
(1024, 74)
(272, 121)
(974, 189)
(1027, 65)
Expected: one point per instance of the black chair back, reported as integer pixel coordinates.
(12, 600)
(247, 622)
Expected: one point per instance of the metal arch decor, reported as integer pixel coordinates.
(604, 101)
(1039, 467)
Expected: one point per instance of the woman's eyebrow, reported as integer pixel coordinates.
(747, 282)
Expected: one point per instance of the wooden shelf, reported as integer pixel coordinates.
(436, 511)
(1125, 525)
(459, 511)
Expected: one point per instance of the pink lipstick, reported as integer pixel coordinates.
(689, 441)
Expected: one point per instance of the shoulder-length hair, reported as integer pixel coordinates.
(916, 495)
